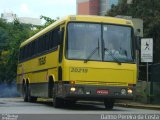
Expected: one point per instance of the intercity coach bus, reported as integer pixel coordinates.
(79, 58)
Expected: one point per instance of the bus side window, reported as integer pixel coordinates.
(29, 50)
(36, 47)
(53, 39)
(56, 37)
(39, 45)
(50, 40)
(43, 43)
(33, 48)
(20, 54)
(25, 52)
(47, 41)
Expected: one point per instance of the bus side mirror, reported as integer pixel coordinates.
(61, 35)
(138, 42)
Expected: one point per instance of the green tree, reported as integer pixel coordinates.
(3, 46)
(149, 11)
(48, 20)
(11, 35)
(3, 35)
(18, 33)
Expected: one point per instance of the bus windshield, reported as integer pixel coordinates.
(99, 42)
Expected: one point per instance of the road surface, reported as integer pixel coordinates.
(17, 106)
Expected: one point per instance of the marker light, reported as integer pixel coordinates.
(129, 91)
(73, 18)
(72, 82)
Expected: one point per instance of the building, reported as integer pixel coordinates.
(94, 7)
(28, 20)
(106, 5)
(137, 24)
(10, 17)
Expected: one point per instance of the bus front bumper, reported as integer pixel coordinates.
(97, 92)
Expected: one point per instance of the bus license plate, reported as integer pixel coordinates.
(102, 92)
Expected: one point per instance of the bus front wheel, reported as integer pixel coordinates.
(25, 94)
(109, 104)
(58, 102)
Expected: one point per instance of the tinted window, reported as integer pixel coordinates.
(83, 40)
(99, 42)
(40, 45)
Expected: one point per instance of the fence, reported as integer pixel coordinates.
(148, 92)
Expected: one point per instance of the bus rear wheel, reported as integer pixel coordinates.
(31, 98)
(109, 104)
(25, 94)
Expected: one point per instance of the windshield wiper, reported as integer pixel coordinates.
(92, 53)
(114, 57)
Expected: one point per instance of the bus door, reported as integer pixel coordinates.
(61, 45)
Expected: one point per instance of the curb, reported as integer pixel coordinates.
(137, 106)
(127, 105)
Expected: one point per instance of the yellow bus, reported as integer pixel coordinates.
(79, 58)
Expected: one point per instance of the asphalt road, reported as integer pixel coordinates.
(42, 109)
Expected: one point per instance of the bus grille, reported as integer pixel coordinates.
(101, 83)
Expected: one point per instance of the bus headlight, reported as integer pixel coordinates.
(123, 91)
(129, 91)
(72, 89)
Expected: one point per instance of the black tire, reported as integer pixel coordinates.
(50, 88)
(31, 98)
(25, 94)
(58, 102)
(70, 103)
(109, 104)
